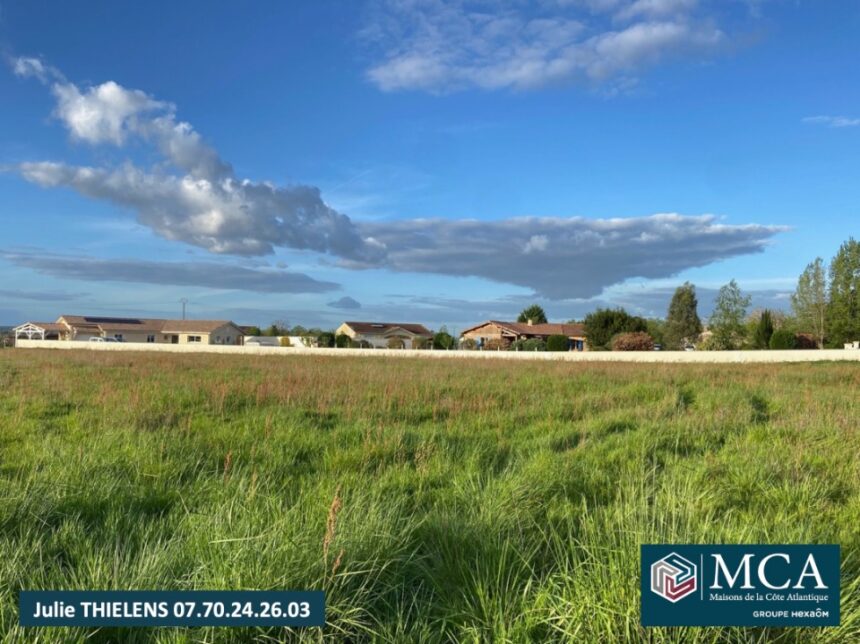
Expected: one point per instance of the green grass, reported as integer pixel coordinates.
(461, 501)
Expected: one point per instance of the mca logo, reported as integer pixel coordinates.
(673, 577)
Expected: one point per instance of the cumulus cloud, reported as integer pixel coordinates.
(346, 303)
(571, 257)
(439, 46)
(195, 197)
(201, 202)
(205, 274)
(833, 121)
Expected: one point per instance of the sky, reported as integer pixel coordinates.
(420, 160)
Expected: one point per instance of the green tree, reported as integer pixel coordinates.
(763, 331)
(843, 323)
(342, 341)
(557, 343)
(809, 301)
(682, 321)
(535, 313)
(325, 339)
(783, 339)
(253, 330)
(657, 330)
(727, 320)
(603, 324)
(443, 340)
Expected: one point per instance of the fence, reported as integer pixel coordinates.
(573, 356)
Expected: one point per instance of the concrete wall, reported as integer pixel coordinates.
(594, 356)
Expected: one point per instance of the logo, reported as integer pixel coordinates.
(739, 585)
(673, 577)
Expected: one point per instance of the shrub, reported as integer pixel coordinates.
(342, 341)
(325, 339)
(494, 344)
(422, 343)
(805, 341)
(396, 343)
(468, 344)
(532, 344)
(638, 341)
(285, 341)
(782, 339)
(557, 343)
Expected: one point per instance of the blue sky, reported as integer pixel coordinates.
(436, 162)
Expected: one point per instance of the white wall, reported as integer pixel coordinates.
(566, 356)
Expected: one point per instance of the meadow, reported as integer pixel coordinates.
(433, 501)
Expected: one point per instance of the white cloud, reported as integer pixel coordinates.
(656, 8)
(196, 198)
(201, 202)
(439, 46)
(580, 258)
(102, 114)
(833, 121)
(204, 274)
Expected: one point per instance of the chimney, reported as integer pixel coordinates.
(531, 322)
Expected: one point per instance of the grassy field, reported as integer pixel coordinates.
(461, 501)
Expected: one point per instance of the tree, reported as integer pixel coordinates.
(603, 324)
(342, 341)
(557, 343)
(325, 339)
(683, 325)
(763, 331)
(534, 313)
(656, 328)
(843, 323)
(727, 320)
(783, 339)
(443, 340)
(253, 330)
(810, 301)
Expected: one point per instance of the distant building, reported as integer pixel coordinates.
(385, 335)
(496, 334)
(147, 330)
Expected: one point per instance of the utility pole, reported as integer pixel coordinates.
(184, 301)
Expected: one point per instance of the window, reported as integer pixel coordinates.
(150, 338)
(194, 338)
(217, 339)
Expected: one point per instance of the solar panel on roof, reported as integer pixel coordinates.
(113, 320)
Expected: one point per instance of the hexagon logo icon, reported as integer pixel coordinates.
(673, 577)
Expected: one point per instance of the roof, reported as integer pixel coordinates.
(145, 325)
(543, 330)
(47, 326)
(381, 328)
(194, 326)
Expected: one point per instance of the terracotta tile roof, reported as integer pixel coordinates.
(381, 328)
(539, 330)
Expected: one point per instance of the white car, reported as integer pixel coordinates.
(100, 339)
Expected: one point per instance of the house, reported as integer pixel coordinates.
(386, 335)
(496, 334)
(147, 330)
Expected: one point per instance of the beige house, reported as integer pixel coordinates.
(83, 328)
(386, 335)
(495, 334)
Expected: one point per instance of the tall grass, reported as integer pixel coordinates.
(432, 501)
